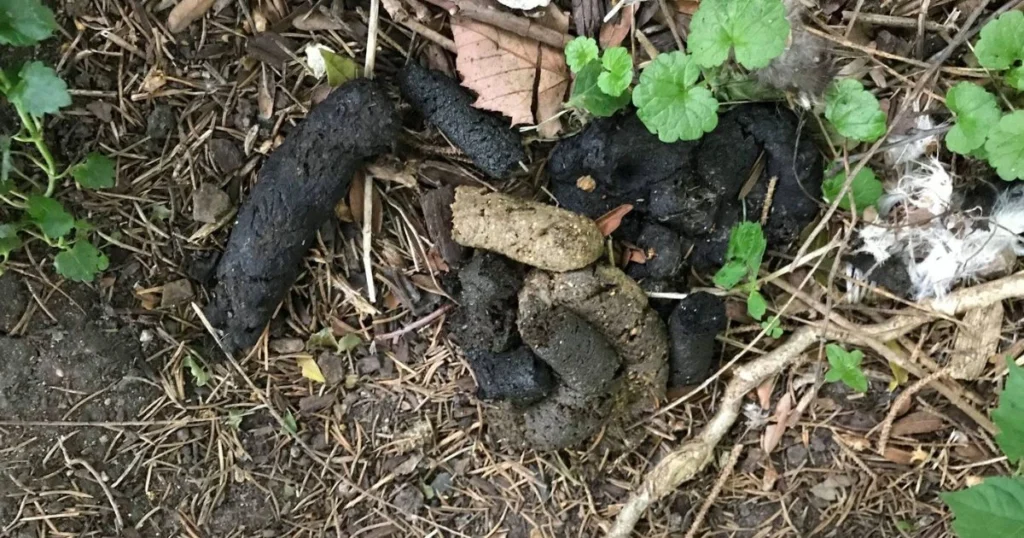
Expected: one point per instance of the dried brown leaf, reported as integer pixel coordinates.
(977, 340)
(896, 455)
(187, 12)
(504, 69)
(773, 432)
(315, 21)
(615, 31)
(610, 221)
(917, 422)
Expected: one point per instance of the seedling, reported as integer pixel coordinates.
(602, 84)
(845, 366)
(865, 190)
(35, 91)
(854, 111)
(742, 263)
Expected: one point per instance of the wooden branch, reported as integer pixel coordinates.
(683, 463)
(504, 20)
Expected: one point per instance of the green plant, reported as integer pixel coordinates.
(996, 506)
(602, 84)
(865, 190)
(743, 257)
(35, 91)
(982, 129)
(854, 111)
(845, 366)
(673, 98)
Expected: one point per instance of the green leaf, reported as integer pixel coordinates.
(580, 52)
(976, 110)
(349, 342)
(49, 216)
(618, 71)
(5, 165)
(756, 29)
(235, 418)
(668, 102)
(1005, 146)
(773, 327)
(9, 240)
(845, 366)
(730, 274)
(81, 262)
(854, 112)
(340, 69)
(39, 90)
(865, 190)
(587, 94)
(993, 508)
(290, 425)
(1009, 416)
(25, 22)
(1002, 41)
(747, 244)
(197, 370)
(1015, 78)
(97, 172)
(756, 305)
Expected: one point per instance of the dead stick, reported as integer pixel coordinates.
(683, 463)
(734, 456)
(894, 22)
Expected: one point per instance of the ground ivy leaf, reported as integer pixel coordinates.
(1005, 146)
(756, 29)
(865, 189)
(580, 52)
(854, 112)
(340, 69)
(96, 172)
(1002, 41)
(772, 327)
(845, 366)
(39, 90)
(756, 305)
(25, 22)
(49, 215)
(668, 102)
(730, 275)
(587, 94)
(9, 240)
(618, 71)
(976, 112)
(993, 508)
(1015, 78)
(81, 262)
(1009, 416)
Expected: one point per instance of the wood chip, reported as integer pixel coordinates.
(977, 340)
(437, 212)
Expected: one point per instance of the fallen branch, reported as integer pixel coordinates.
(683, 464)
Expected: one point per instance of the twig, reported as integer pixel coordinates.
(893, 22)
(371, 49)
(690, 458)
(901, 402)
(734, 456)
(971, 29)
(99, 481)
(371, 289)
(670, 21)
(398, 14)
(506, 21)
(425, 320)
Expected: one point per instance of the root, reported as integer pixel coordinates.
(685, 462)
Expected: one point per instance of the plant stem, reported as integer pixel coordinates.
(35, 135)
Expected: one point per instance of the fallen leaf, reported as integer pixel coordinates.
(187, 12)
(688, 7)
(854, 442)
(270, 48)
(773, 432)
(610, 221)
(830, 488)
(771, 476)
(899, 376)
(614, 32)
(409, 465)
(314, 21)
(764, 393)
(896, 455)
(917, 422)
(505, 69)
(310, 370)
(155, 79)
(977, 340)
(637, 256)
(919, 455)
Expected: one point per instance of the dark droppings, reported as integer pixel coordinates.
(484, 137)
(486, 318)
(693, 188)
(581, 356)
(516, 376)
(297, 190)
(692, 328)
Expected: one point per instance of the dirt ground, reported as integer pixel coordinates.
(120, 416)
